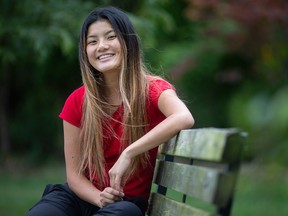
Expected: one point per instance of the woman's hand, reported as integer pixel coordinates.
(109, 195)
(118, 173)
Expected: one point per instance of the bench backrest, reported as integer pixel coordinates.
(196, 173)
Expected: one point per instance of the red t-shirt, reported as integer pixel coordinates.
(138, 185)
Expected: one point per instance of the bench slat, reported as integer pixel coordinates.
(206, 184)
(163, 206)
(203, 144)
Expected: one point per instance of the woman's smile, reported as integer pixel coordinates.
(105, 57)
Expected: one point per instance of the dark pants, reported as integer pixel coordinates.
(59, 200)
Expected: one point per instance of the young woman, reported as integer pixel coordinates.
(113, 125)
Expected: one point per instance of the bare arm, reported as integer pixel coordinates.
(178, 117)
(78, 183)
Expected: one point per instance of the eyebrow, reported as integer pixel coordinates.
(105, 34)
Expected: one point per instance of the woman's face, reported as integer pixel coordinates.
(103, 48)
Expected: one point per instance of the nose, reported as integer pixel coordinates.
(103, 45)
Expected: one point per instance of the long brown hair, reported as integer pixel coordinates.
(133, 90)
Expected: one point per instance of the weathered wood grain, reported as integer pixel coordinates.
(198, 182)
(163, 206)
(203, 144)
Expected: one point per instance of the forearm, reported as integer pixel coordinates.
(78, 183)
(84, 189)
(160, 133)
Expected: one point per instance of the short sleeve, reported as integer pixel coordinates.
(156, 87)
(72, 109)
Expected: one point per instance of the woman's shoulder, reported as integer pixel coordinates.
(72, 109)
(157, 85)
(76, 96)
(158, 82)
(153, 78)
(78, 92)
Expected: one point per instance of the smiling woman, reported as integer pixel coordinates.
(113, 124)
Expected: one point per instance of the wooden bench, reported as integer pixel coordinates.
(196, 173)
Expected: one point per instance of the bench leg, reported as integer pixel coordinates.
(225, 211)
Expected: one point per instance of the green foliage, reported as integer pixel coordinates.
(53, 23)
(226, 73)
(264, 116)
(39, 67)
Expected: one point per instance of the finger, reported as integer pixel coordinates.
(107, 197)
(105, 202)
(117, 183)
(112, 182)
(111, 193)
(123, 181)
(112, 178)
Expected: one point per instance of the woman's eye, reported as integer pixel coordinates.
(111, 37)
(92, 42)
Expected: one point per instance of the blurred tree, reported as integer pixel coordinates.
(259, 34)
(31, 36)
(254, 60)
(7, 57)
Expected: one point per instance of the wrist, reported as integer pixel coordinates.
(97, 199)
(128, 153)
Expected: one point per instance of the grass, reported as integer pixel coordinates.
(260, 191)
(22, 188)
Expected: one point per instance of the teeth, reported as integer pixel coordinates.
(104, 56)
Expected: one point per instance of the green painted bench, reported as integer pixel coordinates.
(196, 173)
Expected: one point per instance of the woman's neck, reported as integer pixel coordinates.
(112, 90)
